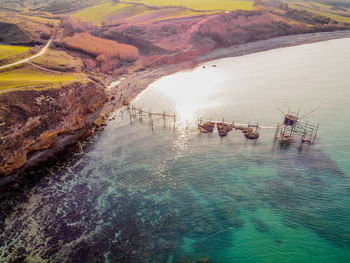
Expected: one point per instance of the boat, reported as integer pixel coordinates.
(252, 135)
(247, 130)
(224, 126)
(222, 132)
(206, 127)
(202, 130)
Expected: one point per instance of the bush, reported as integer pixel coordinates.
(45, 36)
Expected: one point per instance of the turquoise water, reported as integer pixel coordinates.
(137, 195)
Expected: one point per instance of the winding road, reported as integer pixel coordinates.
(41, 52)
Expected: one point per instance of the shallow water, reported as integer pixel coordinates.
(137, 195)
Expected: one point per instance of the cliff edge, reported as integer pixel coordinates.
(36, 123)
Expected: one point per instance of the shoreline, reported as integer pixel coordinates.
(131, 85)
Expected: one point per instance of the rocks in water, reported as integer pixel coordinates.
(278, 240)
(260, 225)
(204, 260)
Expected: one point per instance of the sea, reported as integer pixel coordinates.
(153, 190)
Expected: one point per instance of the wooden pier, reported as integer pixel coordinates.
(135, 112)
(291, 130)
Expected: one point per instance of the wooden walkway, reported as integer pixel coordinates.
(285, 133)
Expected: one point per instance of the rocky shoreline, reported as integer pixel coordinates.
(129, 87)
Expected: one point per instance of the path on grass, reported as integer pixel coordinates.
(41, 52)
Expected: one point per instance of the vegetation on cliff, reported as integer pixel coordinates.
(107, 52)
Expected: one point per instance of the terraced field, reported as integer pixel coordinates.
(9, 51)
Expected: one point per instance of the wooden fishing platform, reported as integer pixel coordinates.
(135, 112)
(294, 129)
(291, 130)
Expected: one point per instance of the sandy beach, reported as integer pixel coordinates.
(131, 85)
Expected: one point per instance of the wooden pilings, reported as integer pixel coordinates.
(135, 112)
(291, 129)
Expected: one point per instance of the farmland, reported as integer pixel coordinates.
(42, 20)
(29, 76)
(322, 10)
(113, 13)
(99, 13)
(204, 5)
(9, 51)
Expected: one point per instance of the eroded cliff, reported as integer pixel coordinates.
(35, 120)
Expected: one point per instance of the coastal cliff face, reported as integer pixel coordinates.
(34, 120)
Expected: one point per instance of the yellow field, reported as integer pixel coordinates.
(322, 13)
(42, 20)
(9, 51)
(97, 14)
(164, 14)
(59, 60)
(201, 4)
(137, 11)
(29, 76)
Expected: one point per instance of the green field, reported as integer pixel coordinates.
(42, 20)
(137, 11)
(29, 76)
(322, 13)
(59, 61)
(9, 51)
(204, 5)
(97, 14)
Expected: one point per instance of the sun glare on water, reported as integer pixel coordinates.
(190, 92)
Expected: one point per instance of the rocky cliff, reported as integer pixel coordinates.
(37, 123)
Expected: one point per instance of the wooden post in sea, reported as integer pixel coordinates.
(149, 116)
(130, 115)
(174, 120)
(122, 113)
(276, 131)
(312, 133)
(318, 124)
(140, 112)
(164, 119)
(304, 133)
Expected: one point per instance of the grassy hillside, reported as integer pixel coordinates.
(23, 28)
(29, 76)
(97, 14)
(201, 4)
(9, 51)
(112, 13)
(59, 61)
(340, 15)
(42, 20)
